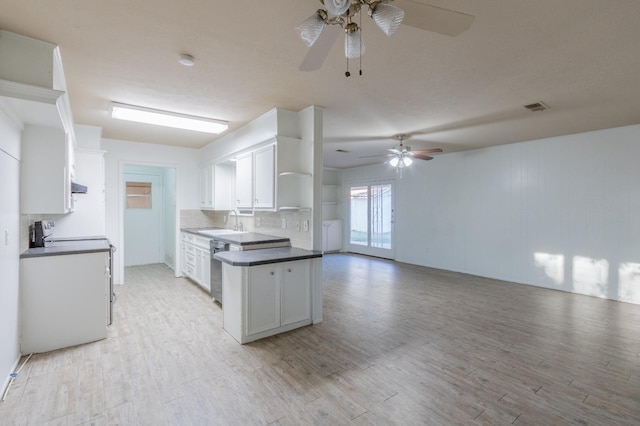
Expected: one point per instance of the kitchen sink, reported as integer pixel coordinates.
(217, 232)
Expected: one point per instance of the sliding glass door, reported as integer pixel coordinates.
(371, 220)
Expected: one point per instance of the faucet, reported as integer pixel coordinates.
(235, 228)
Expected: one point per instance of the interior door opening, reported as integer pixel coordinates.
(149, 217)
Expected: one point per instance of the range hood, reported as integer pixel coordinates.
(76, 188)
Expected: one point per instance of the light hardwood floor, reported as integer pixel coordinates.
(400, 344)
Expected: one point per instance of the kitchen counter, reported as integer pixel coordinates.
(239, 238)
(265, 256)
(63, 247)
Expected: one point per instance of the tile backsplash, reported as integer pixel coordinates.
(270, 223)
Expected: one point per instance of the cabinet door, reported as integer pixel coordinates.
(205, 187)
(264, 178)
(263, 299)
(205, 269)
(244, 181)
(296, 292)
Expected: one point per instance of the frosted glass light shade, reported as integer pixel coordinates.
(166, 118)
(311, 28)
(394, 161)
(337, 7)
(407, 160)
(353, 44)
(388, 17)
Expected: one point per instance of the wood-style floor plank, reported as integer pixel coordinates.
(399, 345)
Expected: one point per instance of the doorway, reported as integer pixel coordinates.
(371, 218)
(149, 215)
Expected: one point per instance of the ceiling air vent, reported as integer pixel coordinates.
(538, 106)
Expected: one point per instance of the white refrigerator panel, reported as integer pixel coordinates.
(63, 300)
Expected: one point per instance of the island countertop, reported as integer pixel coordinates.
(239, 238)
(265, 256)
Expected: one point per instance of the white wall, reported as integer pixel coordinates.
(119, 153)
(9, 246)
(560, 213)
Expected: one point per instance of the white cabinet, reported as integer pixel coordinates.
(64, 300)
(196, 259)
(215, 186)
(275, 176)
(296, 292)
(255, 179)
(205, 186)
(264, 178)
(47, 168)
(244, 181)
(264, 300)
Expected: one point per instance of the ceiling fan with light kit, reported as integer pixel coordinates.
(341, 14)
(402, 156)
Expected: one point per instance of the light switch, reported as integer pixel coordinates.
(306, 225)
(6, 237)
(284, 223)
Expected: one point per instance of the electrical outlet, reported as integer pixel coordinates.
(306, 226)
(258, 221)
(284, 223)
(298, 226)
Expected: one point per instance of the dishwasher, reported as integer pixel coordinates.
(216, 246)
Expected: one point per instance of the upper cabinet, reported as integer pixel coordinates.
(275, 176)
(33, 88)
(216, 182)
(45, 175)
(244, 181)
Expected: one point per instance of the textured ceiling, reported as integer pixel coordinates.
(578, 56)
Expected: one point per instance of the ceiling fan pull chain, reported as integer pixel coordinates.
(360, 57)
(347, 74)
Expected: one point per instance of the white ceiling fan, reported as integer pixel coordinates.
(402, 156)
(321, 29)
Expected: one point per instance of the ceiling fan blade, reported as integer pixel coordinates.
(422, 157)
(427, 151)
(317, 53)
(395, 151)
(436, 19)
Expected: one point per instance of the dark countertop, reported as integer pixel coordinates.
(265, 256)
(241, 239)
(68, 246)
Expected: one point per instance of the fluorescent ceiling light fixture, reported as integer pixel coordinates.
(166, 118)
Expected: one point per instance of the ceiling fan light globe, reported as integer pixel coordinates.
(353, 44)
(311, 28)
(394, 161)
(407, 161)
(337, 7)
(387, 17)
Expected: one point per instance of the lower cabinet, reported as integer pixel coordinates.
(265, 300)
(196, 259)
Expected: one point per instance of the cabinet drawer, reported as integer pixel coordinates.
(190, 259)
(189, 249)
(189, 270)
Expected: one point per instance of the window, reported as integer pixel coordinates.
(138, 195)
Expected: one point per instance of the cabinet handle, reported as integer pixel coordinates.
(272, 273)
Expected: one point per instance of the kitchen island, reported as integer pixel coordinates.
(270, 291)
